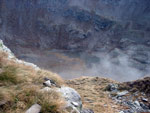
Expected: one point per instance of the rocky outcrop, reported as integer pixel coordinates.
(43, 25)
(91, 21)
(11, 56)
(34, 109)
(134, 95)
(6, 50)
(73, 99)
(141, 85)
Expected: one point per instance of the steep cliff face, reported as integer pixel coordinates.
(92, 25)
(49, 24)
(68, 24)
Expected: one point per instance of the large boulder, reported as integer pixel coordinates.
(72, 98)
(36, 108)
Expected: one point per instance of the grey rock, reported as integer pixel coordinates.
(72, 97)
(36, 108)
(144, 106)
(75, 104)
(112, 87)
(137, 105)
(123, 93)
(134, 106)
(71, 109)
(144, 99)
(87, 111)
(47, 83)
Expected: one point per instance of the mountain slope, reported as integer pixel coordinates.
(30, 27)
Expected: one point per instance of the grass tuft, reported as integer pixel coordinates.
(49, 101)
(9, 76)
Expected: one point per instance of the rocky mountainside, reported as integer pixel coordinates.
(65, 24)
(114, 27)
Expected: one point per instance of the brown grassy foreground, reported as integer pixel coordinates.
(20, 88)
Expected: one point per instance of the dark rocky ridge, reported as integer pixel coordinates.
(50, 22)
(85, 25)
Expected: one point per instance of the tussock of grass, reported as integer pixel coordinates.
(7, 97)
(9, 76)
(28, 96)
(20, 101)
(20, 87)
(49, 101)
(43, 73)
(5, 94)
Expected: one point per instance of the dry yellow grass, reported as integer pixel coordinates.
(28, 72)
(50, 102)
(20, 88)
